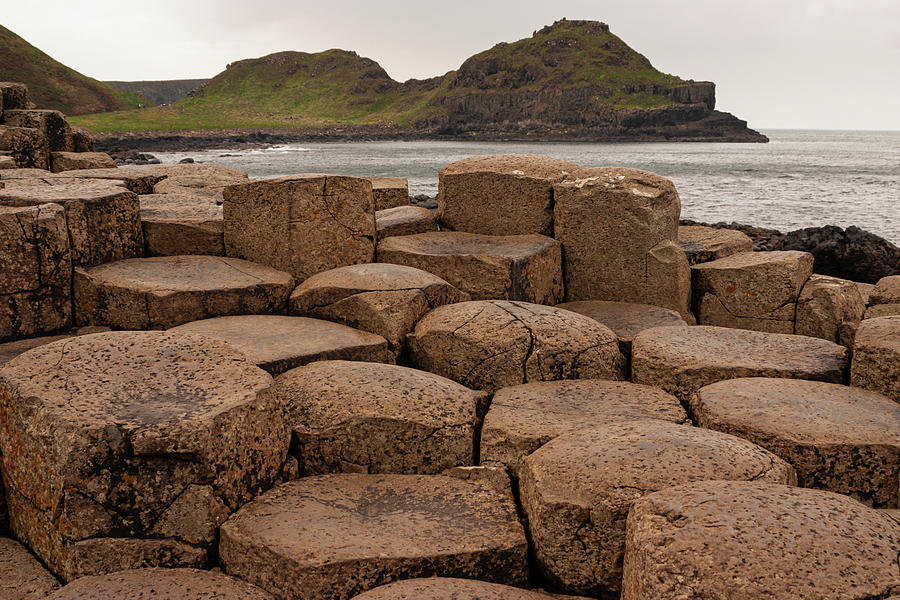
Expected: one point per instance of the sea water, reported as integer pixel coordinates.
(799, 179)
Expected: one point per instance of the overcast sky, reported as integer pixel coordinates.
(826, 64)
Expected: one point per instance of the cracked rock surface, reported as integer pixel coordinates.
(303, 224)
(375, 418)
(278, 343)
(489, 344)
(703, 244)
(162, 292)
(577, 490)
(128, 449)
(21, 576)
(754, 541)
(515, 267)
(404, 220)
(681, 360)
(451, 588)
(334, 536)
(382, 298)
(160, 584)
(176, 224)
(876, 356)
(838, 438)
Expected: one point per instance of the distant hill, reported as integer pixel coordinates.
(159, 92)
(51, 84)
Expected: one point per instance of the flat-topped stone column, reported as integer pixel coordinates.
(704, 244)
(26, 146)
(160, 584)
(179, 224)
(389, 192)
(51, 123)
(139, 181)
(451, 588)
(885, 298)
(876, 356)
(71, 161)
(404, 220)
(827, 307)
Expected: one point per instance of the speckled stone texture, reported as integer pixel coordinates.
(14, 95)
(753, 290)
(826, 304)
(520, 267)
(35, 271)
(451, 588)
(102, 218)
(21, 576)
(838, 438)
(389, 192)
(876, 356)
(162, 292)
(522, 418)
(886, 291)
(755, 541)
(489, 344)
(303, 224)
(71, 161)
(334, 536)
(404, 220)
(139, 181)
(10, 350)
(27, 146)
(381, 298)
(176, 224)
(160, 584)
(703, 244)
(197, 180)
(372, 418)
(51, 123)
(278, 343)
(619, 231)
(501, 194)
(128, 449)
(681, 360)
(577, 490)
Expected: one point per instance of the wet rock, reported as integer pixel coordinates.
(389, 192)
(704, 244)
(449, 588)
(21, 576)
(520, 267)
(486, 345)
(404, 220)
(160, 584)
(850, 253)
(178, 224)
(876, 356)
(71, 161)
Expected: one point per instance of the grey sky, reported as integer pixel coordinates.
(830, 64)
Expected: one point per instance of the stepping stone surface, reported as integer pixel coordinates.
(450, 588)
(754, 541)
(681, 360)
(825, 305)
(703, 244)
(21, 576)
(522, 418)
(389, 192)
(197, 180)
(486, 345)
(133, 447)
(876, 356)
(364, 417)
(162, 292)
(334, 536)
(577, 490)
(381, 298)
(139, 181)
(160, 584)
(838, 438)
(71, 161)
(181, 224)
(501, 194)
(277, 343)
(520, 267)
(404, 220)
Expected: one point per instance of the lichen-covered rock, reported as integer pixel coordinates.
(681, 360)
(334, 536)
(825, 305)
(175, 224)
(489, 344)
(278, 343)
(703, 244)
(133, 447)
(51, 123)
(71, 161)
(303, 224)
(619, 231)
(839, 438)
(160, 584)
(389, 192)
(21, 576)
(404, 220)
(451, 588)
(501, 194)
(382, 298)
(755, 541)
(365, 417)
(517, 267)
(27, 146)
(876, 356)
(522, 418)
(162, 292)
(577, 490)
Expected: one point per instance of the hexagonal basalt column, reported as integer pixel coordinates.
(160, 584)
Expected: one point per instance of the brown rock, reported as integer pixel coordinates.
(382, 298)
(389, 192)
(825, 304)
(27, 146)
(373, 418)
(886, 291)
(102, 218)
(841, 439)
(8, 162)
(71, 161)
(162, 292)
(198, 180)
(681, 360)
(577, 490)
(139, 181)
(754, 540)
(876, 356)
(22, 173)
(404, 220)
(82, 140)
(882, 310)
(619, 231)
(303, 224)
(523, 418)
(51, 123)
(450, 588)
(703, 244)
(334, 536)
(178, 224)
(865, 290)
(521, 267)
(35, 271)
(101, 452)
(487, 345)
(21, 576)
(160, 584)
(277, 343)
(14, 95)
(10, 350)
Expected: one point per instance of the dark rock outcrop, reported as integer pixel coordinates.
(851, 253)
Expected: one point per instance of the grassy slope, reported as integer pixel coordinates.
(51, 84)
(159, 92)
